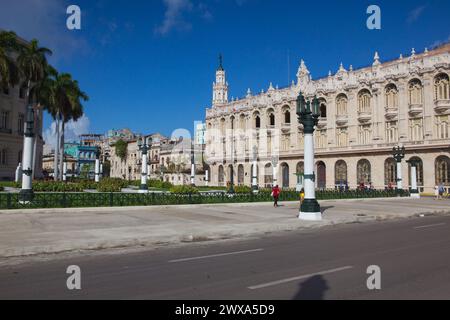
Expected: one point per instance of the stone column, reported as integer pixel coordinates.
(26, 193)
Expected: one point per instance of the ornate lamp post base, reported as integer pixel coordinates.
(415, 194)
(310, 210)
(143, 188)
(26, 196)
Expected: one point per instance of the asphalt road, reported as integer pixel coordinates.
(330, 263)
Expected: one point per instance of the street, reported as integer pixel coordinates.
(326, 263)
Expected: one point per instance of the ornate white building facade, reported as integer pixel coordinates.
(364, 113)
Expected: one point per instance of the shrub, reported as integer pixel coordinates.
(121, 149)
(56, 186)
(242, 189)
(183, 189)
(111, 185)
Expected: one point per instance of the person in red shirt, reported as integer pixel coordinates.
(275, 194)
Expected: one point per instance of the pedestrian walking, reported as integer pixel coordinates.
(436, 192)
(275, 194)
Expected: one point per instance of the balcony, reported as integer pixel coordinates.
(322, 123)
(391, 113)
(341, 120)
(5, 130)
(364, 116)
(441, 106)
(415, 109)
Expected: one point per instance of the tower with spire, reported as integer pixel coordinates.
(220, 86)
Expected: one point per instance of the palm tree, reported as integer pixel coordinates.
(73, 110)
(32, 64)
(8, 69)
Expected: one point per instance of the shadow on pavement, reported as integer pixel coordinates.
(323, 209)
(312, 289)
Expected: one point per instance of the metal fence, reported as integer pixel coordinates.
(111, 199)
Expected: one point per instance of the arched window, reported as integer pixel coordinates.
(323, 110)
(415, 92)
(222, 126)
(364, 98)
(221, 176)
(257, 120)
(442, 169)
(391, 96)
(240, 174)
(300, 168)
(341, 104)
(390, 172)
(340, 173)
(271, 118)
(285, 175)
(287, 117)
(419, 171)
(232, 122)
(363, 172)
(441, 87)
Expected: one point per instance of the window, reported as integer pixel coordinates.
(271, 119)
(391, 131)
(287, 117)
(390, 172)
(257, 122)
(363, 169)
(365, 134)
(441, 87)
(323, 110)
(442, 170)
(391, 97)
(415, 129)
(21, 123)
(364, 97)
(342, 137)
(321, 138)
(221, 176)
(4, 119)
(415, 92)
(285, 142)
(242, 122)
(3, 157)
(442, 127)
(341, 104)
(340, 172)
(5, 90)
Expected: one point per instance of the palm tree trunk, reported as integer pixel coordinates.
(61, 160)
(55, 164)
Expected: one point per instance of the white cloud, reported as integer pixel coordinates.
(415, 14)
(71, 133)
(44, 20)
(173, 17)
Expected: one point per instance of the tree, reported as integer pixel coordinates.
(121, 149)
(9, 72)
(32, 65)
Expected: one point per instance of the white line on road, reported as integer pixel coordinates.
(430, 225)
(274, 283)
(216, 255)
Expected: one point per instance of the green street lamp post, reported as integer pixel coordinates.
(398, 154)
(26, 193)
(309, 209)
(414, 190)
(144, 145)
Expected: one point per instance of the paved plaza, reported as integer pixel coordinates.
(41, 231)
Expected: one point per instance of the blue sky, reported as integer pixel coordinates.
(149, 65)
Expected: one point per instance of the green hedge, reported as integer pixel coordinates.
(184, 190)
(105, 199)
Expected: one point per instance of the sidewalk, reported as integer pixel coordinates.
(32, 232)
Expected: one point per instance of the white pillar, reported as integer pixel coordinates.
(27, 172)
(414, 191)
(192, 174)
(97, 170)
(399, 176)
(206, 177)
(254, 176)
(144, 174)
(101, 170)
(65, 171)
(309, 184)
(18, 173)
